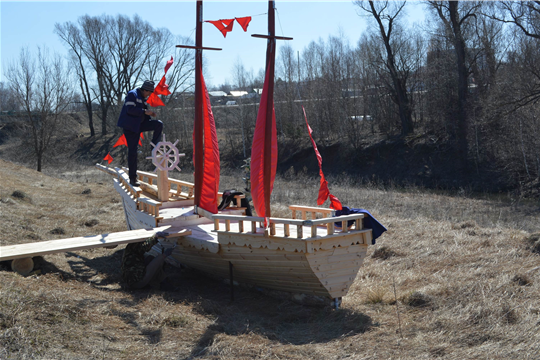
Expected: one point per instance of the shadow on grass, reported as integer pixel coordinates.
(252, 312)
(100, 271)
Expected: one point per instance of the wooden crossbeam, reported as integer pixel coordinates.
(271, 37)
(20, 251)
(197, 47)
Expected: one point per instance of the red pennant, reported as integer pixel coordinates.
(121, 141)
(108, 158)
(168, 65)
(162, 88)
(244, 22)
(224, 26)
(324, 193)
(154, 100)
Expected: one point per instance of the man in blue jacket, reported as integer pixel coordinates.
(136, 118)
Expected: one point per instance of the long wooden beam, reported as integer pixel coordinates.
(20, 251)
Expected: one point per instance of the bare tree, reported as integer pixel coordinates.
(525, 15)
(71, 35)
(43, 90)
(456, 16)
(386, 15)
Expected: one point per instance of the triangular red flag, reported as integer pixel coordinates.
(168, 65)
(244, 22)
(228, 24)
(121, 141)
(108, 158)
(154, 100)
(223, 25)
(162, 88)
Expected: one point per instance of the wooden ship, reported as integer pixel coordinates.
(305, 253)
(312, 252)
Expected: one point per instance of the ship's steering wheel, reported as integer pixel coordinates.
(165, 155)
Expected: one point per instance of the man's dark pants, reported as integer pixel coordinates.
(132, 139)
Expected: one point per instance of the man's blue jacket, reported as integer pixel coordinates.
(132, 114)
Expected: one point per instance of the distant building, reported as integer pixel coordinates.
(217, 93)
(237, 93)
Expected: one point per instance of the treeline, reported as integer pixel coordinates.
(469, 78)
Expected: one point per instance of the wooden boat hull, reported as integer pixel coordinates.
(301, 256)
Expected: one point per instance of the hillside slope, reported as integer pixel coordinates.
(453, 278)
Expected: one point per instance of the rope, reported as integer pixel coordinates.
(279, 21)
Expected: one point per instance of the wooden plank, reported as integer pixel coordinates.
(163, 185)
(19, 251)
(311, 208)
(334, 219)
(207, 214)
(338, 265)
(107, 169)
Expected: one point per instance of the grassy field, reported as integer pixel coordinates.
(455, 277)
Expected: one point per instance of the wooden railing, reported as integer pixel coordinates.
(314, 211)
(328, 223)
(150, 206)
(178, 188)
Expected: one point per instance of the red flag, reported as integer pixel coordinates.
(211, 162)
(121, 141)
(108, 158)
(224, 26)
(154, 100)
(324, 193)
(168, 65)
(244, 22)
(264, 152)
(160, 89)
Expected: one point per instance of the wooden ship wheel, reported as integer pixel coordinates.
(165, 157)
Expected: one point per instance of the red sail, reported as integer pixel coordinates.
(210, 180)
(264, 151)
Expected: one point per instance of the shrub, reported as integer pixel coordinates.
(383, 253)
(58, 231)
(534, 242)
(91, 222)
(18, 194)
(417, 299)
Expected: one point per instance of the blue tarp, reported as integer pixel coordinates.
(370, 222)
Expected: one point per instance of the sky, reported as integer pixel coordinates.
(31, 24)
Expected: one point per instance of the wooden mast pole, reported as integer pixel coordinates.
(269, 128)
(270, 65)
(198, 125)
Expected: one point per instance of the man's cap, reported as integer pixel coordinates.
(148, 85)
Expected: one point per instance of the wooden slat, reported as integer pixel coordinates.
(19, 251)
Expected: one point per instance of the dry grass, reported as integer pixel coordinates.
(465, 272)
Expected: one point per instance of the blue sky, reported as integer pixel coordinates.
(29, 24)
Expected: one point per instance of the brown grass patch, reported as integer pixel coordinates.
(465, 282)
